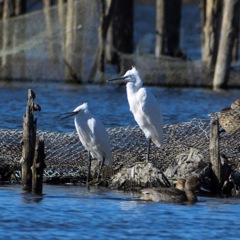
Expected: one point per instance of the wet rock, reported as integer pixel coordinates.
(188, 163)
(232, 185)
(138, 176)
(229, 118)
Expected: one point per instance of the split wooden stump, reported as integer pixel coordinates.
(32, 160)
(219, 162)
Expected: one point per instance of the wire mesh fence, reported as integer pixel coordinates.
(51, 44)
(66, 157)
(61, 44)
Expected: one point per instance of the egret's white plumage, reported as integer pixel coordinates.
(144, 106)
(92, 135)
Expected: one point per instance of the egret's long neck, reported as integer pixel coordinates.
(133, 87)
(82, 117)
(132, 90)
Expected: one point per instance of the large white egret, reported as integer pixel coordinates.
(93, 137)
(144, 106)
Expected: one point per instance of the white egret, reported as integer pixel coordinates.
(144, 106)
(93, 136)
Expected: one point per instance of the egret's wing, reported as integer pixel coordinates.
(101, 143)
(151, 110)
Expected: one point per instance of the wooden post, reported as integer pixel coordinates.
(68, 43)
(19, 30)
(173, 19)
(168, 18)
(102, 33)
(235, 52)
(222, 69)
(120, 34)
(38, 167)
(5, 60)
(210, 14)
(105, 15)
(160, 27)
(61, 13)
(52, 51)
(72, 43)
(20, 7)
(28, 141)
(7, 9)
(215, 156)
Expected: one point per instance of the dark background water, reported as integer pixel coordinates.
(190, 32)
(107, 102)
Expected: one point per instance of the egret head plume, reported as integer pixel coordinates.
(82, 107)
(131, 75)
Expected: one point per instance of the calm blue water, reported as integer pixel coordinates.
(107, 102)
(74, 213)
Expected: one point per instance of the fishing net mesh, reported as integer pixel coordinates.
(60, 43)
(65, 156)
(53, 44)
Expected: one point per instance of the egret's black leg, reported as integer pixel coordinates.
(101, 166)
(148, 150)
(89, 168)
(148, 154)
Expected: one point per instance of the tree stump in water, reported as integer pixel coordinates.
(38, 167)
(29, 141)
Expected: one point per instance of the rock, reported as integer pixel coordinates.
(232, 185)
(138, 176)
(229, 118)
(187, 163)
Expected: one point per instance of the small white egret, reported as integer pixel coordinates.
(144, 106)
(93, 136)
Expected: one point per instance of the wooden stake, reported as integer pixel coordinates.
(168, 18)
(211, 13)
(38, 167)
(215, 156)
(160, 27)
(222, 69)
(28, 141)
(120, 32)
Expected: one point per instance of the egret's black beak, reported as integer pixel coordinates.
(118, 79)
(67, 115)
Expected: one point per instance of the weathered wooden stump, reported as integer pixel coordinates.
(38, 167)
(215, 156)
(28, 145)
